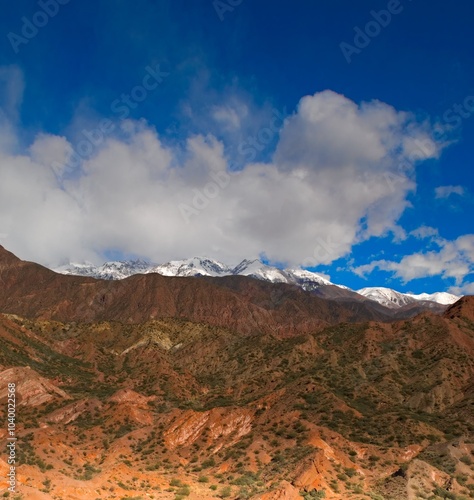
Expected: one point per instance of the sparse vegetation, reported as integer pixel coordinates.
(255, 403)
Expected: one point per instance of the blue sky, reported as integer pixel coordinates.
(336, 137)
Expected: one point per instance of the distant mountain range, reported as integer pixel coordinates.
(199, 266)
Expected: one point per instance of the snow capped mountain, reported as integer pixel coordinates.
(85, 269)
(309, 280)
(255, 269)
(305, 279)
(197, 266)
(252, 268)
(304, 276)
(439, 297)
(393, 299)
(192, 267)
(114, 270)
(386, 296)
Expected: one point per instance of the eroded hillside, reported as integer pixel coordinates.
(171, 409)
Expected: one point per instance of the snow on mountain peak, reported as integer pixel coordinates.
(257, 269)
(202, 266)
(393, 299)
(192, 267)
(304, 276)
(112, 270)
(439, 297)
(386, 296)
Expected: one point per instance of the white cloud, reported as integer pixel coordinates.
(454, 259)
(341, 173)
(230, 117)
(465, 289)
(424, 232)
(399, 234)
(51, 150)
(248, 127)
(443, 192)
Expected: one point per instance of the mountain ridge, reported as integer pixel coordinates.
(203, 266)
(240, 302)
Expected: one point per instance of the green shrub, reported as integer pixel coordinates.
(225, 492)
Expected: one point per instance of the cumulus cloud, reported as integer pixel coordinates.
(443, 192)
(340, 174)
(465, 289)
(51, 150)
(453, 259)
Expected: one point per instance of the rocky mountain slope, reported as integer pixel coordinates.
(238, 302)
(288, 396)
(172, 408)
